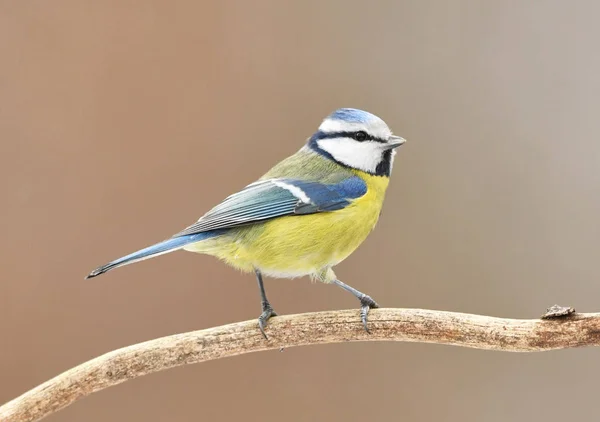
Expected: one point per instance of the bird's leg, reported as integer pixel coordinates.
(267, 310)
(366, 302)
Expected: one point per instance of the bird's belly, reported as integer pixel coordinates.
(299, 245)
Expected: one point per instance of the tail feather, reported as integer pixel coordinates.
(161, 248)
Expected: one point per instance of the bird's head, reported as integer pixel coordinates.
(357, 139)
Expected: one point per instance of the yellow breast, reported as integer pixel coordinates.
(300, 245)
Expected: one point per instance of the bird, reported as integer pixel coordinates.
(304, 216)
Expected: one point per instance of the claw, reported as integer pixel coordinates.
(267, 313)
(367, 303)
(267, 310)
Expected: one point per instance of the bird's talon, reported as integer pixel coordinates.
(364, 311)
(367, 303)
(267, 313)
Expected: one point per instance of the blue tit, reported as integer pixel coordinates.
(304, 216)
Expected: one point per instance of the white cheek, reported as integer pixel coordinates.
(360, 155)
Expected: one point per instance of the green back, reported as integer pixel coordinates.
(309, 165)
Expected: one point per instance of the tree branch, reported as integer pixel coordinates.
(481, 332)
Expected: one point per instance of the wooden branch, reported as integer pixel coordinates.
(565, 330)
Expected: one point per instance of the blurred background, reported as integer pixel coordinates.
(123, 122)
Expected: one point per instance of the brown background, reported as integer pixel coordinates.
(122, 122)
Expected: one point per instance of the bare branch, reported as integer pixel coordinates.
(414, 325)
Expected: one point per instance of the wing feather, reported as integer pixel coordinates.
(274, 198)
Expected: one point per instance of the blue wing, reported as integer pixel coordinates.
(273, 198)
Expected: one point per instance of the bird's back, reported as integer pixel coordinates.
(309, 165)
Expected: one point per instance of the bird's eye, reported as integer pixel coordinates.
(361, 136)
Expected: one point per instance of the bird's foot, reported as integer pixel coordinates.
(366, 304)
(267, 313)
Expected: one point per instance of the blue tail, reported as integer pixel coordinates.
(164, 247)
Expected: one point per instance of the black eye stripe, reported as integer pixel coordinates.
(351, 135)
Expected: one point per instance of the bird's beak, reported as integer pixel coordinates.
(394, 142)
